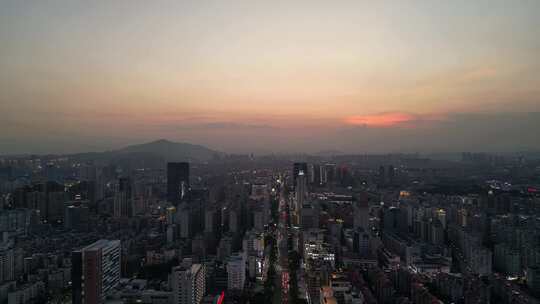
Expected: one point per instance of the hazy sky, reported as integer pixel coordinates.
(358, 76)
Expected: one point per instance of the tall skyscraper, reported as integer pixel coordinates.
(323, 175)
(177, 181)
(391, 174)
(297, 167)
(188, 283)
(210, 224)
(185, 221)
(234, 225)
(330, 172)
(76, 216)
(95, 271)
(314, 174)
(123, 198)
(300, 191)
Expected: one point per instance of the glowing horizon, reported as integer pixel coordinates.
(191, 70)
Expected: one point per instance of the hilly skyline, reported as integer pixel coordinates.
(163, 150)
(499, 133)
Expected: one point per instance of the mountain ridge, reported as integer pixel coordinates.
(157, 151)
(170, 150)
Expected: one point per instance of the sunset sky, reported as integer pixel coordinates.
(271, 76)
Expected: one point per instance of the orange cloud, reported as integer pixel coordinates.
(380, 120)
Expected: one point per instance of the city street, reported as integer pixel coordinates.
(282, 270)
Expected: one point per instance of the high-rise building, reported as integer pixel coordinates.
(361, 240)
(56, 196)
(76, 217)
(297, 167)
(234, 225)
(171, 233)
(441, 216)
(210, 221)
(300, 191)
(533, 279)
(91, 178)
(95, 271)
(7, 264)
(479, 260)
(259, 219)
(188, 283)
(314, 174)
(184, 220)
(330, 173)
(361, 213)
(177, 181)
(224, 249)
(123, 198)
(391, 174)
(323, 175)
(309, 217)
(236, 272)
(217, 278)
(259, 191)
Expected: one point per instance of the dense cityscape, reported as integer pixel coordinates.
(134, 227)
(269, 152)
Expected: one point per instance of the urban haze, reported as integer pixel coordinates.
(299, 152)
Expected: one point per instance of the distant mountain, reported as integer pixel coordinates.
(170, 151)
(151, 155)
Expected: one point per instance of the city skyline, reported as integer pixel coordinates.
(293, 152)
(270, 77)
